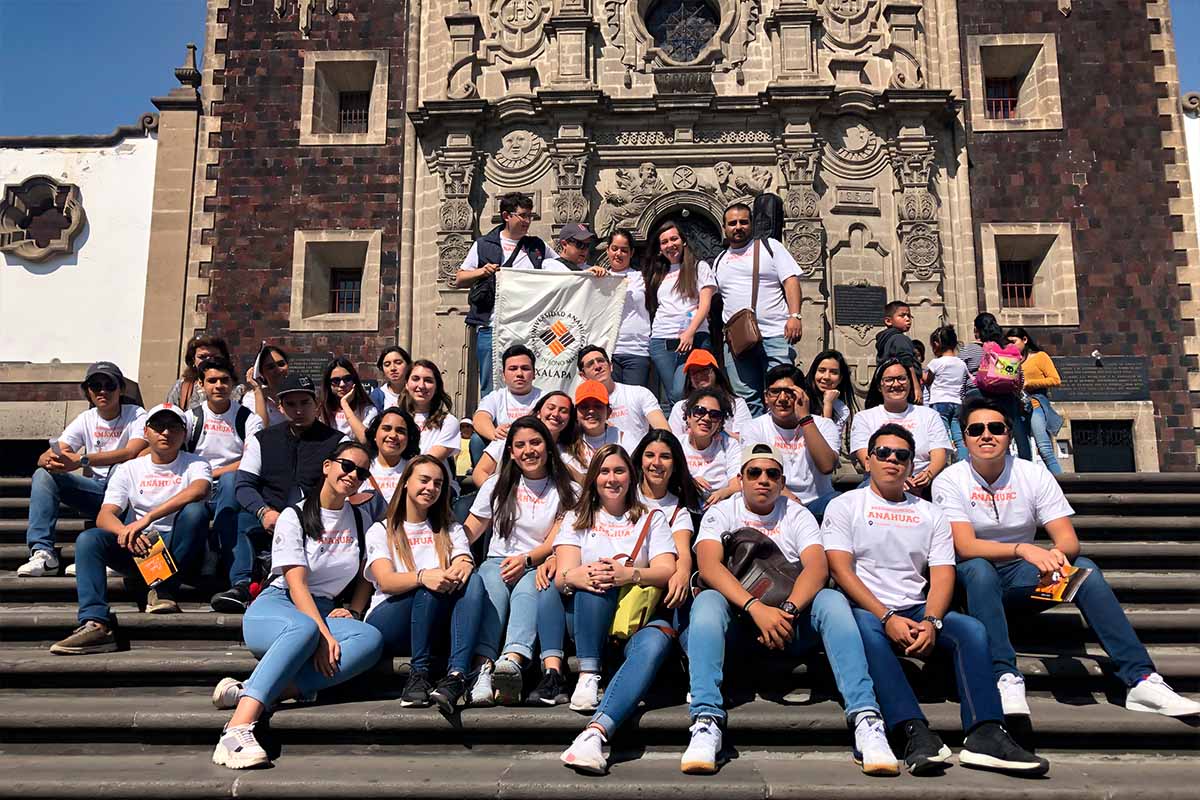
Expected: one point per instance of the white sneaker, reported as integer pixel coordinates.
(482, 692)
(227, 693)
(108, 571)
(700, 758)
(1012, 695)
(39, 565)
(508, 681)
(871, 749)
(586, 753)
(587, 692)
(238, 749)
(1153, 694)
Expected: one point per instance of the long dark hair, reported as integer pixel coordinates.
(411, 448)
(505, 508)
(330, 402)
(875, 392)
(194, 344)
(589, 500)
(845, 385)
(1020, 333)
(988, 330)
(310, 511)
(566, 439)
(657, 266)
(681, 484)
(441, 404)
(440, 515)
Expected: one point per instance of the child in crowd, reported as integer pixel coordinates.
(945, 377)
(893, 342)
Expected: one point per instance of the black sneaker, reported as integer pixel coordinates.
(449, 691)
(551, 691)
(924, 751)
(990, 747)
(233, 600)
(416, 691)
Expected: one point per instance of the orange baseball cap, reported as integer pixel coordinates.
(591, 390)
(699, 357)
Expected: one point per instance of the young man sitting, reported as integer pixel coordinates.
(165, 492)
(75, 470)
(879, 541)
(514, 400)
(809, 444)
(635, 409)
(995, 504)
(811, 616)
(217, 432)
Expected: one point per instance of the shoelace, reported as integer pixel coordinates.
(244, 735)
(705, 724)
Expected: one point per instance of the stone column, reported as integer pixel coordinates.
(799, 157)
(917, 228)
(570, 159)
(794, 28)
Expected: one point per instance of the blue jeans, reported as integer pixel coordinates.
(817, 507)
(949, 414)
(231, 528)
(483, 355)
(97, 548)
(964, 638)
(283, 639)
(409, 623)
(644, 654)
(476, 446)
(747, 374)
(634, 370)
(668, 365)
(512, 607)
(586, 616)
(85, 495)
(713, 629)
(992, 590)
(1044, 442)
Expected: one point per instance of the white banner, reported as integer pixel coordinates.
(554, 314)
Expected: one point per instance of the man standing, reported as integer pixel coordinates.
(776, 304)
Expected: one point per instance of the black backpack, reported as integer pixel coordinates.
(758, 564)
(767, 217)
(239, 427)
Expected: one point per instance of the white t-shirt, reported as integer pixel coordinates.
(387, 477)
(949, 374)
(366, 415)
(631, 407)
(841, 415)
(791, 526)
(449, 436)
(141, 485)
(717, 464)
(274, 415)
(537, 507)
(332, 562)
(390, 399)
(495, 449)
(733, 425)
(1025, 496)
(925, 424)
(892, 543)
(504, 407)
(591, 444)
(558, 265)
(678, 518)
(734, 275)
(611, 536)
(506, 246)
(420, 542)
(675, 311)
(92, 433)
(633, 337)
(800, 474)
(219, 444)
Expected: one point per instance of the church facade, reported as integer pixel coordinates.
(963, 155)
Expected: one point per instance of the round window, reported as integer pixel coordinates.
(682, 28)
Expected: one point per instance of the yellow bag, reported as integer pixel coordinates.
(637, 604)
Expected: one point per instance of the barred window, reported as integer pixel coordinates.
(1016, 284)
(1002, 97)
(353, 112)
(345, 291)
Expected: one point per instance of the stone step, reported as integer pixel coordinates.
(755, 774)
(1109, 527)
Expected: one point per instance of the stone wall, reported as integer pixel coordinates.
(1105, 173)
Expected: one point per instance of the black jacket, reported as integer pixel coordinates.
(891, 343)
(291, 466)
(488, 250)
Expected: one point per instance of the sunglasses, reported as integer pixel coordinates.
(342, 380)
(102, 385)
(700, 412)
(883, 453)
(754, 473)
(579, 244)
(975, 429)
(349, 466)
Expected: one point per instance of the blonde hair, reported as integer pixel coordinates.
(589, 500)
(439, 516)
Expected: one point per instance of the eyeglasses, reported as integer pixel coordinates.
(700, 412)
(903, 379)
(975, 429)
(773, 473)
(102, 385)
(524, 215)
(349, 466)
(883, 453)
(778, 391)
(342, 380)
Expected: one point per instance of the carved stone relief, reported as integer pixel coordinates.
(520, 160)
(728, 187)
(40, 218)
(456, 217)
(518, 25)
(633, 192)
(873, 42)
(850, 24)
(853, 150)
(570, 204)
(304, 11)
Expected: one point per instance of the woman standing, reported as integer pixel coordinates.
(271, 369)
(830, 389)
(702, 372)
(1040, 378)
(679, 292)
(419, 562)
(631, 354)
(557, 413)
(520, 505)
(303, 639)
(187, 392)
(393, 365)
(713, 457)
(345, 404)
(427, 401)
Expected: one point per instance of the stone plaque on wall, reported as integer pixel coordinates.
(310, 364)
(859, 305)
(1113, 378)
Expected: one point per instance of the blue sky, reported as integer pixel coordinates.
(100, 69)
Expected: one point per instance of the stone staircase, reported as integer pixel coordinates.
(140, 721)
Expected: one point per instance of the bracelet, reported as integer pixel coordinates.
(746, 605)
(890, 613)
(806, 420)
(419, 573)
(1017, 549)
(262, 512)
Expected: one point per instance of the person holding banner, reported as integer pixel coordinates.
(500, 408)
(574, 246)
(631, 353)
(634, 409)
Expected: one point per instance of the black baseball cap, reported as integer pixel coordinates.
(104, 368)
(297, 383)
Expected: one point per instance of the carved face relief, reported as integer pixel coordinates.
(518, 149)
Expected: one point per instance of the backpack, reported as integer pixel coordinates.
(239, 427)
(999, 370)
(767, 217)
(758, 565)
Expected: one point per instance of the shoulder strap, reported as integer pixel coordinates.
(185, 393)
(641, 540)
(513, 257)
(717, 260)
(678, 508)
(239, 422)
(754, 280)
(766, 240)
(362, 540)
(194, 440)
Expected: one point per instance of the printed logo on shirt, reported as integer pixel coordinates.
(217, 425)
(106, 436)
(979, 495)
(152, 483)
(527, 498)
(555, 338)
(794, 445)
(896, 517)
(763, 526)
(388, 483)
(611, 530)
(420, 539)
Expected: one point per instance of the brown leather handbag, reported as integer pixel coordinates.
(758, 564)
(742, 331)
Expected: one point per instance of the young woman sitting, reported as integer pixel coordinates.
(702, 372)
(557, 413)
(393, 364)
(345, 404)
(592, 413)
(665, 483)
(712, 455)
(395, 438)
(830, 389)
(430, 406)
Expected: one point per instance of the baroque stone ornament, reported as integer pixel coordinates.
(455, 214)
(304, 11)
(849, 24)
(684, 178)
(803, 232)
(724, 45)
(452, 251)
(633, 193)
(729, 187)
(40, 218)
(570, 204)
(519, 161)
(518, 25)
(806, 242)
(853, 150)
(456, 217)
(922, 250)
(519, 149)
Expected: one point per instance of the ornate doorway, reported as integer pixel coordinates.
(702, 232)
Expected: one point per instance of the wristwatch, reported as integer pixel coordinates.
(891, 612)
(528, 561)
(789, 608)
(937, 623)
(637, 577)
(85, 461)
(797, 315)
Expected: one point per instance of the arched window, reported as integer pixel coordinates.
(682, 28)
